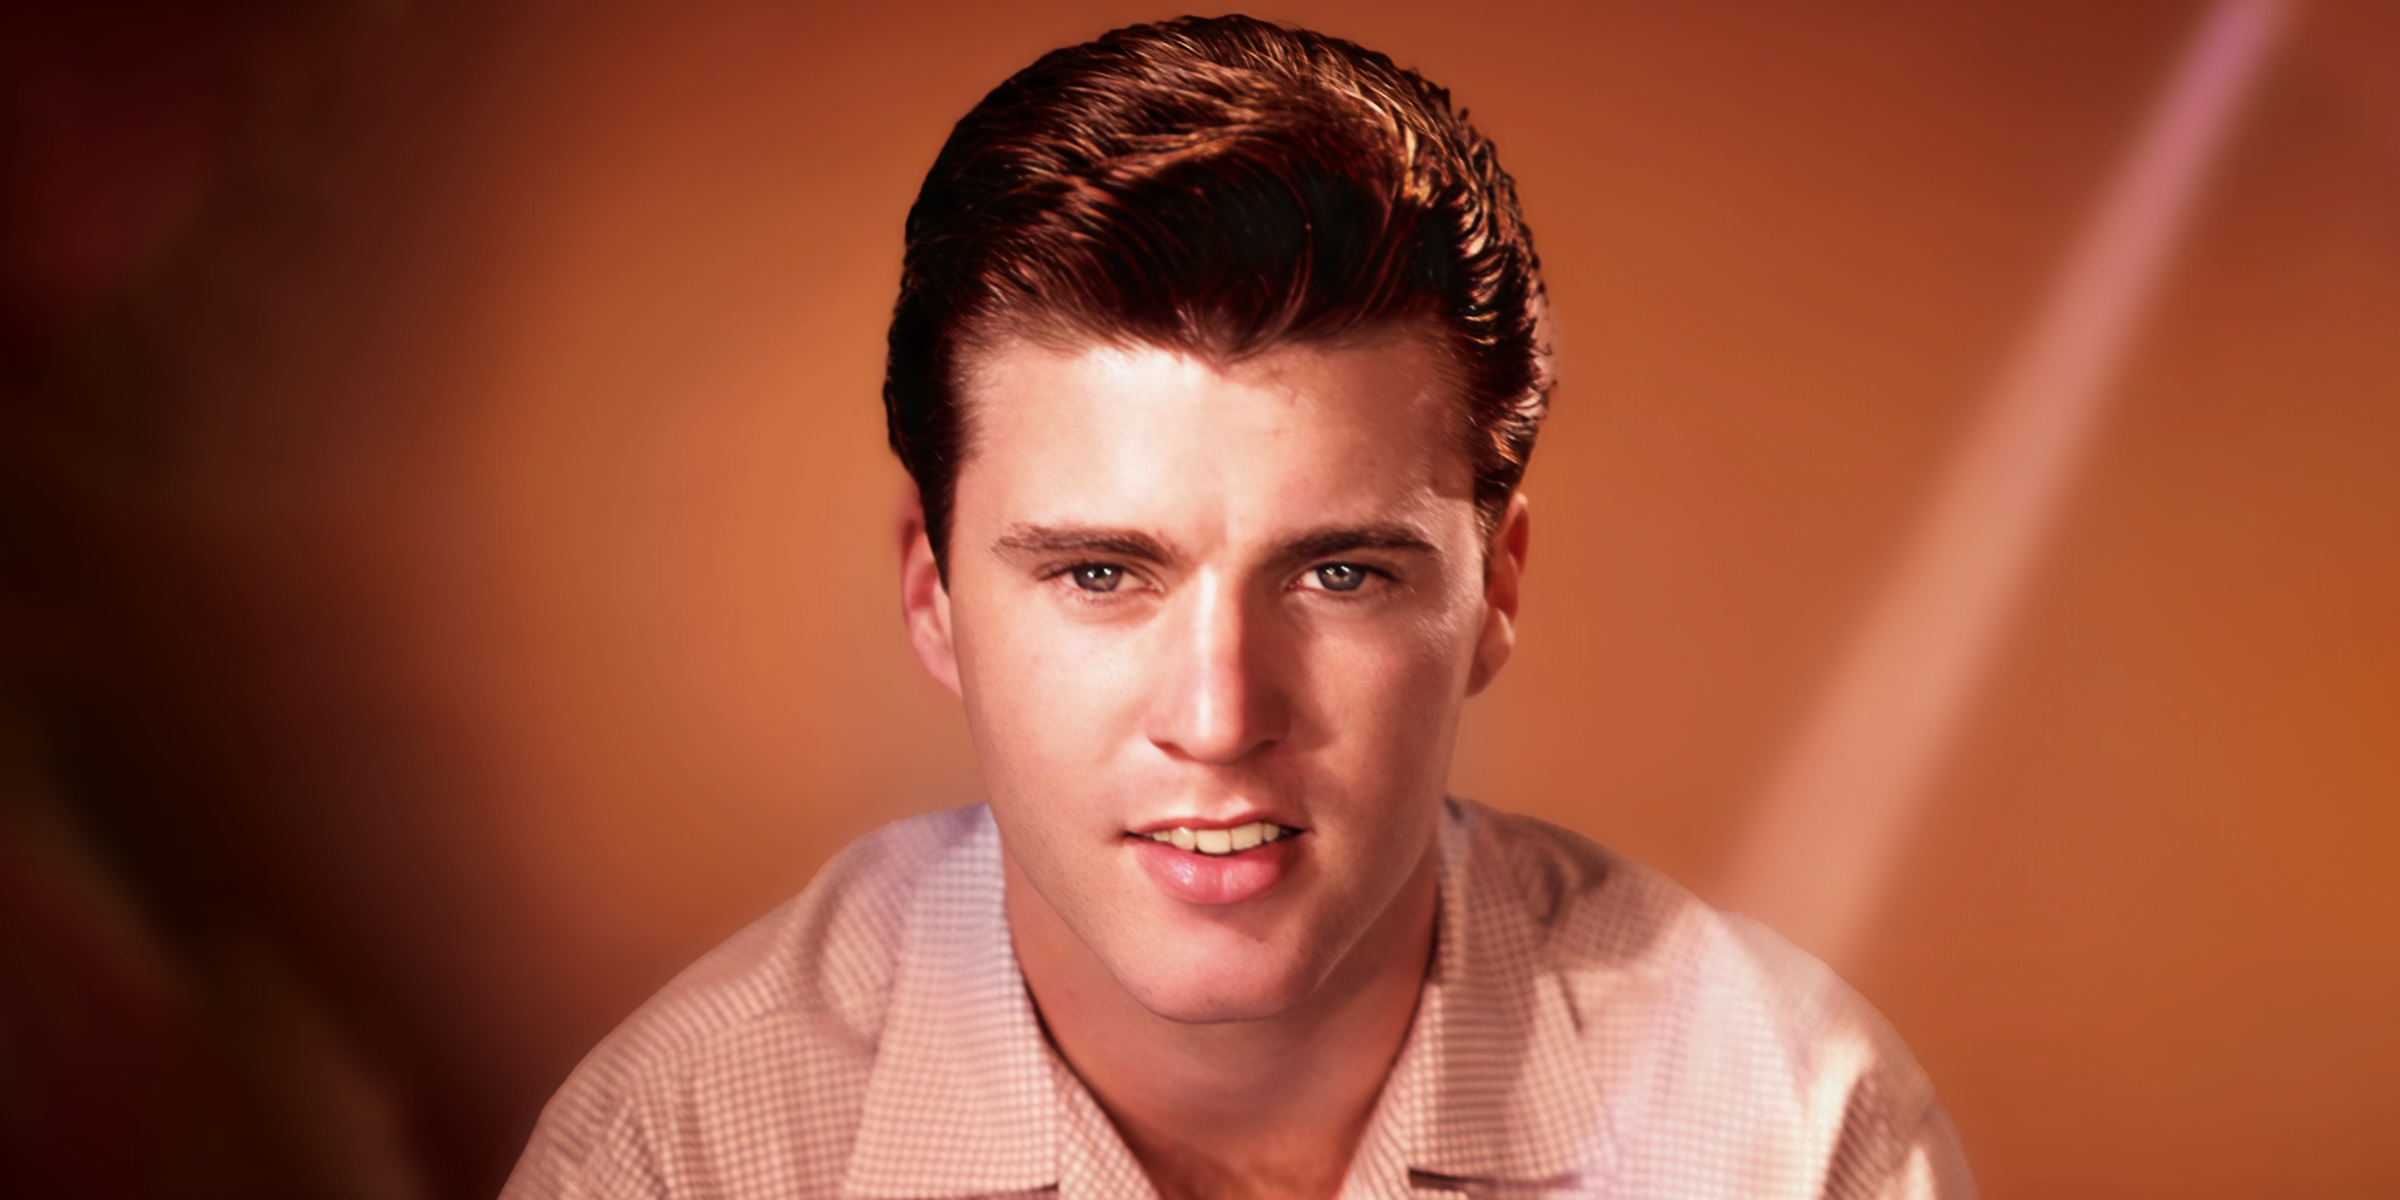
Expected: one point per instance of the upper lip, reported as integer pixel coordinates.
(1197, 823)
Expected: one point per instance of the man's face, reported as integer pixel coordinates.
(1245, 600)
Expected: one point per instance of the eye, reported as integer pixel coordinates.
(1341, 577)
(1097, 577)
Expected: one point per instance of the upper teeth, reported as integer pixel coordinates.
(1219, 841)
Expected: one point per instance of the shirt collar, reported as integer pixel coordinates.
(960, 1101)
(1493, 1087)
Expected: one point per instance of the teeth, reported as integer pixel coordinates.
(1220, 841)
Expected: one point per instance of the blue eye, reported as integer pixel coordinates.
(1097, 577)
(1341, 577)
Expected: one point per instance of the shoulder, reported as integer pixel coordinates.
(1607, 922)
(1700, 1025)
(761, 1048)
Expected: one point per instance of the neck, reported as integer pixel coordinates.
(1269, 1108)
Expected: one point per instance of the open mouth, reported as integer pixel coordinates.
(1218, 843)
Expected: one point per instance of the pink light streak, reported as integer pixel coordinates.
(1820, 847)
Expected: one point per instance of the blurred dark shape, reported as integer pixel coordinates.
(167, 993)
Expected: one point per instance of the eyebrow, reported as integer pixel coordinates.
(1134, 544)
(1329, 542)
(1074, 539)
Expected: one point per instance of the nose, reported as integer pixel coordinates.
(1219, 697)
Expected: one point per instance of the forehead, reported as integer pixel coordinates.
(1100, 431)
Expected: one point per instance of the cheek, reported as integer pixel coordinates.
(1442, 638)
(1041, 693)
(1409, 674)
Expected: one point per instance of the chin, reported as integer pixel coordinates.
(1199, 995)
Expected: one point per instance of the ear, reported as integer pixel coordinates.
(1503, 576)
(924, 601)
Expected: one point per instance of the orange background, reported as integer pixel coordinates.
(450, 570)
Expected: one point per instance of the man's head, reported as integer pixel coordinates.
(1216, 365)
(1218, 186)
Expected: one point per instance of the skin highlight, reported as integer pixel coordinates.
(1185, 592)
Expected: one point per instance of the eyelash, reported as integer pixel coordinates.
(1366, 573)
(1075, 575)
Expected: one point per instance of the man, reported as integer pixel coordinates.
(1217, 360)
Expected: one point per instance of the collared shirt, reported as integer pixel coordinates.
(1587, 1029)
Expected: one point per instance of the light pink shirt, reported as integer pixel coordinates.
(1588, 1029)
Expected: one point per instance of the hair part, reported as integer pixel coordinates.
(1217, 186)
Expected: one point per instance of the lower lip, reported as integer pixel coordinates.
(1214, 879)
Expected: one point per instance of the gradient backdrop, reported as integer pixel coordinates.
(449, 575)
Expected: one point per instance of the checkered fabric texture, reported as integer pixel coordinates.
(1588, 1029)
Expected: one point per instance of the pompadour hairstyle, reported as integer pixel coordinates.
(1219, 186)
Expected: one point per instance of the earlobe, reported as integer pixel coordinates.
(924, 601)
(1503, 579)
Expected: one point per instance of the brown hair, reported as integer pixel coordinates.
(1220, 186)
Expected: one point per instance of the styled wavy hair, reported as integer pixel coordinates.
(1218, 186)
